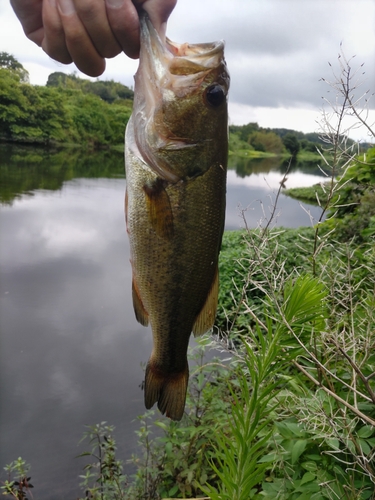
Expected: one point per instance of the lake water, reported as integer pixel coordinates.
(71, 349)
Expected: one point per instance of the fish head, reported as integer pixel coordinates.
(180, 112)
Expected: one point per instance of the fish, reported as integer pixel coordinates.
(176, 149)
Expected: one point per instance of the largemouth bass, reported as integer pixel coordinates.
(176, 148)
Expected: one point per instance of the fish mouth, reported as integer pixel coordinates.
(176, 58)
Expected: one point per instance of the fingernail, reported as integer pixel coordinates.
(115, 4)
(66, 7)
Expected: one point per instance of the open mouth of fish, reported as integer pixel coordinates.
(168, 73)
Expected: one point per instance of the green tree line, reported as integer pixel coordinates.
(68, 110)
(78, 111)
(279, 141)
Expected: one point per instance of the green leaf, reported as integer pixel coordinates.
(297, 450)
(309, 466)
(364, 446)
(307, 477)
(366, 431)
(333, 443)
(84, 454)
(270, 457)
(174, 490)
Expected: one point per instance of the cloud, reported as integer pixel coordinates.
(276, 51)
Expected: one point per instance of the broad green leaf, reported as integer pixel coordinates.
(297, 450)
(309, 466)
(307, 477)
(366, 431)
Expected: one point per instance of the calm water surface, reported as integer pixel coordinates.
(71, 349)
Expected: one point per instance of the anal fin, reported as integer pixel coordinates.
(139, 310)
(206, 317)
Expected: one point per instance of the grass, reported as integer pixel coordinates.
(251, 153)
(313, 195)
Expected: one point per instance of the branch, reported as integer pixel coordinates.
(355, 367)
(361, 415)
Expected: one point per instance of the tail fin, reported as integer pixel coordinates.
(167, 389)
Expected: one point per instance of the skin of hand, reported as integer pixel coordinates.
(87, 32)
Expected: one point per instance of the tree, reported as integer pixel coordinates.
(243, 131)
(9, 62)
(13, 103)
(108, 91)
(292, 144)
(56, 79)
(266, 141)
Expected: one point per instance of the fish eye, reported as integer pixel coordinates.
(215, 95)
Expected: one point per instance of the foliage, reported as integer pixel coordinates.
(353, 206)
(237, 144)
(177, 463)
(63, 113)
(292, 144)
(241, 453)
(9, 62)
(103, 479)
(266, 141)
(17, 484)
(244, 131)
(324, 421)
(108, 90)
(238, 260)
(323, 440)
(330, 436)
(300, 145)
(315, 195)
(13, 103)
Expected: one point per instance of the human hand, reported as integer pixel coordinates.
(87, 32)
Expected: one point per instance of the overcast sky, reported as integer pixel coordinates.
(276, 50)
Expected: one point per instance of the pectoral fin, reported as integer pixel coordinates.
(206, 317)
(159, 208)
(139, 310)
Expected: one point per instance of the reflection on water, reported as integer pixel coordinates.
(248, 166)
(71, 349)
(24, 169)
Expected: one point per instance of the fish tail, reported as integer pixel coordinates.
(167, 389)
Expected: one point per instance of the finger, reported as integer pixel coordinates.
(54, 37)
(93, 16)
(124, 22)
(158, 12)
(78, 42)
(30, 15)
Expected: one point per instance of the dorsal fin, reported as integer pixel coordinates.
(206, 317)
